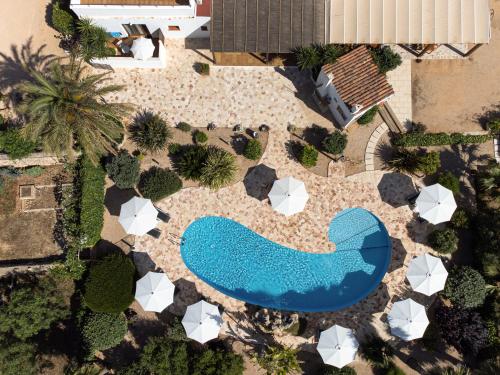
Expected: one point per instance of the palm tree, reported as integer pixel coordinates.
(404, 161)
(307, 57)
(279, 360)
(66, 110)
(219, 168)
(490, 181)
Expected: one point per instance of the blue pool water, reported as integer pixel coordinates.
(244, 265)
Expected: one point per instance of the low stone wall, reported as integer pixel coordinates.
(37, 158)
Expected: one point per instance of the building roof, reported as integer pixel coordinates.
(409, 21)
(267, 26)
(357, 79)
(135, 2)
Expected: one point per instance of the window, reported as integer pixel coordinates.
(136, 29)
(204, 28)
(174, 28)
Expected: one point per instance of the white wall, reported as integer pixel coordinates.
(131, 63)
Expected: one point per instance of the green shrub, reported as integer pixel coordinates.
(429, 163)
(308, 156)
(490, 262)
(386, 59)
(431, 338)
(204, 69)
(413, 139)
(465, 287)
(253, 149)
(92, 41)
(184, 126)
(335, 142)
(124, 170)
(15, 145)
(34, 171)
(157, 183)
(101, 331)
(460, 219)
(494, 126)
(218, 169)
(368, 116)
(199, 136)
(18, 357)
(109, 285)
(279, 360)
(376, 351)
(217, 362)
(150, 132)
(330, 370)
(62, 20)
(92, 202)
(191, 161)
(444, 241)
(449, 181)
(174, 148)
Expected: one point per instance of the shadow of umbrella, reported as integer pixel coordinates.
(143, 262)
(398, 255)
(396, 188)
(259, 181)
(115, 197)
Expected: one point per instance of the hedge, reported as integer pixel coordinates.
(101, 331)
(15, 145)
(413, 139)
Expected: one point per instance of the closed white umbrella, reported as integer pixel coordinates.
(154, 292)
(408, 319)
(202, 322)
(426, 274)
(142, 48)
(138, 216)
(436, 204)
(337, 346)
(288, 196)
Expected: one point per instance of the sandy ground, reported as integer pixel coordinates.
(452, 95)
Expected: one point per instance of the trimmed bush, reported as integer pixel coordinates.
(386, 59)
(460, 219)
(15, 145)
(174, 148)
(429, 163)
(200, 137)
(101, 331)
(124, 170)
(465, 287)
(218, 362)
(219, 168)
(253, 149)
(109, 285)
(62, 20)
(184, 126)
(368, 116)
(150, 132)
(191, 161)
(444, 241)
(308, 156)
(414, 139)
(335, 142)
(158, 183)
(330, 370)
(449, 181)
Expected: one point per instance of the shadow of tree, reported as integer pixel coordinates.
(491, 114)
(293, 149)
(315, 135)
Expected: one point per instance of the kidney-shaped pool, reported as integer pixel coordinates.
(244, 265)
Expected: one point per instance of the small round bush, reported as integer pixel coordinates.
(150, 132)
(200, 137)
(308, 156)
(184, 126)
(157, 183)
(429, 163)
(444, 241)
(449, 181)
(191, 161)
(465, 287)
(109, 285)
(219, 168)
(368, 116)
(335, 143)
(101, 331)
(124, 170)
(330, 370)
(174, 148)
(460, 219)
(253, 149)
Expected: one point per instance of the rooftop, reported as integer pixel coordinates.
(357, 79)
(135, 2)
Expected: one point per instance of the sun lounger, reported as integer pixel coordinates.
(162, 215)
(156, 233)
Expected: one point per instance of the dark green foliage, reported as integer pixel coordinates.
(330, 370)
(92, 41)
(335, 142)
(101, 331)
(487, 236)
(494, 126)
(34, 171)
(217, 362)
(329, 53)
(218, 169)
(279, 360)
(199, 136)
(184, 126)
(62, 20)
(465, 287)
(15, 145)
(490, 263)
(460, 219)
(412, 139)
(91, 202)
(307, 57)
(429, 163)
(204, 69)
(32, 307)
(253, 149)
(431, 337)
(462, 328)
(404, 161)
(314, 56)
(174, 148)
(191, 161)
(124, 170)
(17, 357)
(386, 59)
(109, 285)
(158, 183)
(444, 241)
(368, 116)
(376, 351)
(308, 156)
(449, 181)
(150, 132)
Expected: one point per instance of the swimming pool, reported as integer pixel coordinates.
(244, 265)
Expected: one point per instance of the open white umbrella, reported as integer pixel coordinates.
(426, 274)
(337, 346)
(436, 204)
(142, 48)
(154, 292)
(408, 319)
(202, 322)
(138, 216)
(288, 196)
